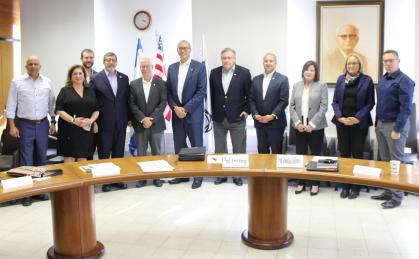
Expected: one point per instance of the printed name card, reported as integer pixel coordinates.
(235, 160)
(17, 182)
(366, 171)
(290, 161)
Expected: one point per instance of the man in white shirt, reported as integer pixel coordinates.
(30, 100)
(147, 100)
(186, 90)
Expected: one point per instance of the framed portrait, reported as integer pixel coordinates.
(349, 27)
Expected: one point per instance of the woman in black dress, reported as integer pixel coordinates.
(78, 110)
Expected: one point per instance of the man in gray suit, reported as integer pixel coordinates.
(147, 100)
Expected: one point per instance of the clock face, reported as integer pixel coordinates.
(142, 20)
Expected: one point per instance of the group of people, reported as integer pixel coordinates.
(95, 109)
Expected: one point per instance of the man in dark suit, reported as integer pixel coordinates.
(87, 57)
(112, 89)
(268, 100)
(147, 100)
(230, 87)
(186, 90)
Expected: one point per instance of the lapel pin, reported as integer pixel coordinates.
(234, 74)
(120, 76)
(273, 78)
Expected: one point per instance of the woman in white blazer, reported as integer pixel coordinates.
(308, 106)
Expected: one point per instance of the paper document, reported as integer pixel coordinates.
(155, 166)
(101, 169)
(366, 170)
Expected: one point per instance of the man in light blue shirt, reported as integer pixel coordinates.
(30, 100)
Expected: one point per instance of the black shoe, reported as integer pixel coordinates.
(300, 191)
(382, 197)
(314, 193)
(141, 183)
(106, 188)
(353, 195)
(178, 180)
(237, 181)
(220, 180)
(197, 182)
(158, 182)
(344, 193)
(390, 204)
(41, 197)
(27, 201)
(121, 186)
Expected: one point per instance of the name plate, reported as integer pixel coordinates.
(366, 170)
(236, 161)
(18, 182)
(290, 161)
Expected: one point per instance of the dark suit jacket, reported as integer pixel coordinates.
(194, 90)
(236, 100)
(365, 100)
(154, 107)
(276, 100)
(114, 111)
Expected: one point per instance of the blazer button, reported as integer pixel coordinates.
(225, 97)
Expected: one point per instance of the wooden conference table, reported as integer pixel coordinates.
(73, 211)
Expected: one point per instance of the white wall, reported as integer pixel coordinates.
(114, 29)
(252, 28)
(56, 31)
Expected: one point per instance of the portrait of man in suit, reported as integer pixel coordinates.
(268, 99)
(230, 86)
(347, 38)
(186, 90)
(147, 100)
(111, 88)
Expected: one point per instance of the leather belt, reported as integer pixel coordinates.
(387, 120)
(33, 121)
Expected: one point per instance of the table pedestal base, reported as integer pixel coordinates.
(73, 220)
(267, 214)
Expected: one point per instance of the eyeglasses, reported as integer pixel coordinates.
(389, 60)
(352, 64)
(144, 67)
(347, 36)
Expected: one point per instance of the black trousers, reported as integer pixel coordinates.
(304, 140)
(351, 141)
(270, 139)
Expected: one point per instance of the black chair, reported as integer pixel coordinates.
(9, 146)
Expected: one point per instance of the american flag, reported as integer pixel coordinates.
(160, 73)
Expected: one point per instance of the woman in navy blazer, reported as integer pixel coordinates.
(352, 103)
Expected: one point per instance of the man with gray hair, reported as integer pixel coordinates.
(229, 87)
(147, 100)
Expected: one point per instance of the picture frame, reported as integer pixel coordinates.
(349, 27)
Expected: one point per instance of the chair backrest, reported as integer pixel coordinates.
(412, 141)
(9, 144)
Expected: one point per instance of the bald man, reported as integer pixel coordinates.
(30, 100)
(347, 37)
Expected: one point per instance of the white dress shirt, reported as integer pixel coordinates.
(183, 71)
(226, 77)
(266, 80)
(146, 87)
(30, 99)
(304, 104)
(113, 80)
